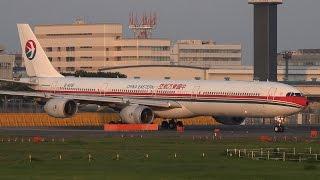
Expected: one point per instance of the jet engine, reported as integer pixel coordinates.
(229, 120)
(61, 108)
(137, 114)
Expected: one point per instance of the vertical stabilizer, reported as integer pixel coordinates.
(36, 61)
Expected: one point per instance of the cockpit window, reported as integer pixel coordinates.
(294, 94)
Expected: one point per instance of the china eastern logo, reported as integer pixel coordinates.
(30, 49)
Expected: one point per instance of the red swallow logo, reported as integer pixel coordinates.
(30, 49)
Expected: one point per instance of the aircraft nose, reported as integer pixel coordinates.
(304, 102)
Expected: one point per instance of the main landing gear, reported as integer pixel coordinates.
(171, 124)
(279, 124)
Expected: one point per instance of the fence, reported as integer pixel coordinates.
(80, 119)
(282, 154)
(42, 119)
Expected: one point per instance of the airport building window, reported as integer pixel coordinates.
(86, 57)
(4, 65)
(70, 48)
(86, 67)
(70, 59)
(48, 49)
(50, 59)
(70, 34)
(70, 68)
(200, 58)
(210, 50)
(152, 48)
(161, 58)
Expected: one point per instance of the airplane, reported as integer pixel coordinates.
(140, 101)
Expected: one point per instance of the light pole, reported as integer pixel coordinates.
(287, 55)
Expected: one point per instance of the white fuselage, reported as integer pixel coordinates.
(197, 97)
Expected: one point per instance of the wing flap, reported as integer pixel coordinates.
(26, 94)
(124, 100)
(118, 100)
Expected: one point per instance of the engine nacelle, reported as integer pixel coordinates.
(137, 114)
(61, 108)
(229, 120)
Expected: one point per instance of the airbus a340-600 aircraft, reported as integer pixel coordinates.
(140, 101)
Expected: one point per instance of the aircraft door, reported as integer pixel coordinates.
(104, 89)
(54, 86)
(195, 92)
(154, 91)
(271, 94)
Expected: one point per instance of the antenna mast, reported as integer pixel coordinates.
(142, 25)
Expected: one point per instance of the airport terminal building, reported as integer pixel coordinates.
(206, 54)
(301, 57)
(6, 64)
(89, 47)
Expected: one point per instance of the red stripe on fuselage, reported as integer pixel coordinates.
(301, 101)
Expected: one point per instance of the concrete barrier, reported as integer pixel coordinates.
(130, 127)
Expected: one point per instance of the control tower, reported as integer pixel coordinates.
(265, 39)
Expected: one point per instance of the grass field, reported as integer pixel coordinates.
(161, 163)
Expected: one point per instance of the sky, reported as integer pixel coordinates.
(224, 21)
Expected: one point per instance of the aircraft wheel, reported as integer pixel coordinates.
(172, 124)
(278, 129)
(179, 124)
(165, 124)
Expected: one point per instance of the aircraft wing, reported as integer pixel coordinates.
(18, 82)
(98, 99)
(26, 94)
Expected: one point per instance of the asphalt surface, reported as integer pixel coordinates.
(190, 132)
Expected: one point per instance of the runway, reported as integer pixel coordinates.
(190, 131)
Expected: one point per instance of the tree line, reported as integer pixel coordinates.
(23, 87)
(82, 73)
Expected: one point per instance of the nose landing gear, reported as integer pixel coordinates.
(279, 125)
